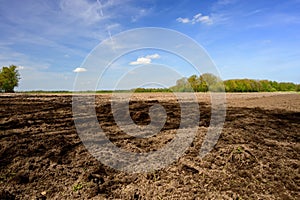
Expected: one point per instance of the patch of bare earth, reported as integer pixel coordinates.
(256, 157)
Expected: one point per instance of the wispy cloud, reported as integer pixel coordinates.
(20, 67)
(141, 13)
(79, 69)
(198, 18)
(145, 60)
(276, 19)
(183, 20)
(9, 56)
(88, 12)
(59, 34)
(253, 12)
(153, 56)
(226, 2)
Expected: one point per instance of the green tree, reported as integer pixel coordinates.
(298, 88)
(230, 85)
(194, 82)
(266, 86)
(9, 78)
(182, 85)
(287, 86)
(203, 87)
(211, 82)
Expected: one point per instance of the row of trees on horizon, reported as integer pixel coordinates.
(9, 79)
(209, 82)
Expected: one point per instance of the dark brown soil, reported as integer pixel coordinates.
(256, 157)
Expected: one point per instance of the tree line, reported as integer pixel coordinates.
(209, 82)
(9, 79)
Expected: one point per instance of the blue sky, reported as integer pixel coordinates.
(49, 39)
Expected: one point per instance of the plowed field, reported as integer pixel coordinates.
(256, 156)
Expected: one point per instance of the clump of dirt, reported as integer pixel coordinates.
(42, 157)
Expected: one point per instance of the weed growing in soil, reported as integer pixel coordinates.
(77, 187)
(240, 150)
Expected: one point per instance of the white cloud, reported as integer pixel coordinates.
(198, 18)
(79, 69)
(183, 20)
(153, 56)
(141, 61)
(145, 60)
(203, 19)
(20, 67)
